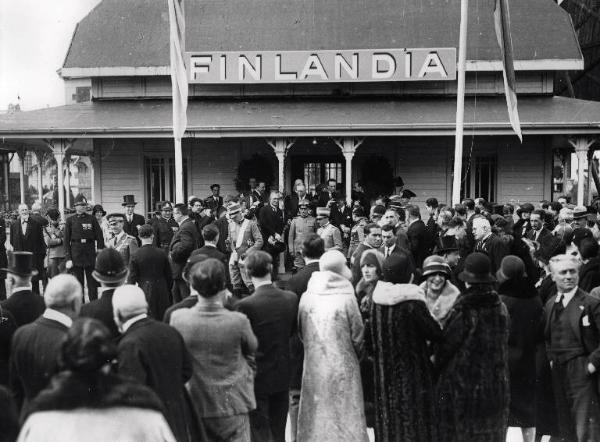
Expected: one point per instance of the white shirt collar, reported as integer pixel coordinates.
(261, 283)
(209, 244)
(567, 296)
(390, 248)
(22, 289)
(132, 321)
(310, 261)
(55, 315)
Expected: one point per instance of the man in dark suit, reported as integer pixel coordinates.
(572, 335)
(83, 235)
(210, 235)
(538, 232)
(110, 272)
(35, 346)
(201, 215)
(253, 195)
(488, 242)
(327, 196)
(184, 242)
(154, 354)
(26, 235)
(214, 201)
(292, 202)
(312, 249)
(272, 313)
(270, 222)
(223, 225)
(24, 305)
(418, 236)
(132, 220)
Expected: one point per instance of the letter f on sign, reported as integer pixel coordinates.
(200, 64)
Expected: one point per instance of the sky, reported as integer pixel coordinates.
(34, 38)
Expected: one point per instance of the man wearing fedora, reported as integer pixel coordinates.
(83, 236)
(24, 305)
(26, 235)
(110, 272)
(132, 220)
(35, 346)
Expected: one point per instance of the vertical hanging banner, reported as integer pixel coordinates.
(179, 85)
(502, 25)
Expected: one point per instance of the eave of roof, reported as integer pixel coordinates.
(262, 118)
(139, 38)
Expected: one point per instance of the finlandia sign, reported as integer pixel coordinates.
(322, 66)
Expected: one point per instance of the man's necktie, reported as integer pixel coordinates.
(387, 252)
(558, 306)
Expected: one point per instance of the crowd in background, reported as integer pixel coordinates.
(449, 325)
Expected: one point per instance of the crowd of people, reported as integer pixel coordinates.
(447, 327)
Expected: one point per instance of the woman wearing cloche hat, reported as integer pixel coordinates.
(440, 293)
(472, 360)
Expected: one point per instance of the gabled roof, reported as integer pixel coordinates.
(133, 34)
(289, 117)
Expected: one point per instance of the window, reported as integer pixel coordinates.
(319, 173)
(479, 178)
(160, 180)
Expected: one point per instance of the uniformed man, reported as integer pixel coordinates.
(300, 226)
(120, 240)
(164, 227)
(331, 235)
(83, 236)
(132, 220)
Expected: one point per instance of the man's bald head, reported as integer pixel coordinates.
(63, 292)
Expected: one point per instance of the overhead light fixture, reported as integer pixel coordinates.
(314, 141)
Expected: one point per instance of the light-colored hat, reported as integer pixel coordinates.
(436, 264)
(323, 212)
(129, 300)
(233, 208)
(335, 261)
(580, 212)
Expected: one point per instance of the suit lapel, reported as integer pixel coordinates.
(576, 311)
(548, 314)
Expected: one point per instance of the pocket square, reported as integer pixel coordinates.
(585, 321)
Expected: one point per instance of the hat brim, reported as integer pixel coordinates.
(473, 278)
(108, 279)
(7, 270)
(436, 271)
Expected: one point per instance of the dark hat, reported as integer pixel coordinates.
(129, 200)
(580, 233)
(115, 218)
(526, 208)
(80, 200)
(408, 194)
(398, 181)
(53, 213)
(98, 208)
(580, 212)
(21, 264)
(550, 246)
(109, 267)
(447, 243)
(512, 267)
(398, 268)
(358, 211)
(379, 210)
(477, 269)
(436, 264)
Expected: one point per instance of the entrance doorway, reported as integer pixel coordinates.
(315, 170)
(160, 180)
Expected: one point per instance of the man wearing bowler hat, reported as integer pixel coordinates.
(26, 235)
(132, 220)
(110, 272)
(83, 235)
(24, 305)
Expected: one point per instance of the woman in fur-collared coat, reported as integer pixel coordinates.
(400, 328)
(472, 361)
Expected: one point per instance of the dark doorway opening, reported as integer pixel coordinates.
(377, 176)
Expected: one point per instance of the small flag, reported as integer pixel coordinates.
(179, 82)
(502, 25)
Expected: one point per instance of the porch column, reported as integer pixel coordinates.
(281, 147)
(21, 154)
(68, 181)
(6, 180)
(349, 146)
(59, 150)
(39, 156)
(581, 146)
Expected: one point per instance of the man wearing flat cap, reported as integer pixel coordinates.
(83, 235)
(154, 354)
(331, 234)
(122, 242)
(164, 227)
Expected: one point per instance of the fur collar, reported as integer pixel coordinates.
(386, 293)
(449, 290)
(68, 391)
(329, 283)
(476, 298)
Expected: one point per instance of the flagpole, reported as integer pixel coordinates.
(178, 172)
(460, 101)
